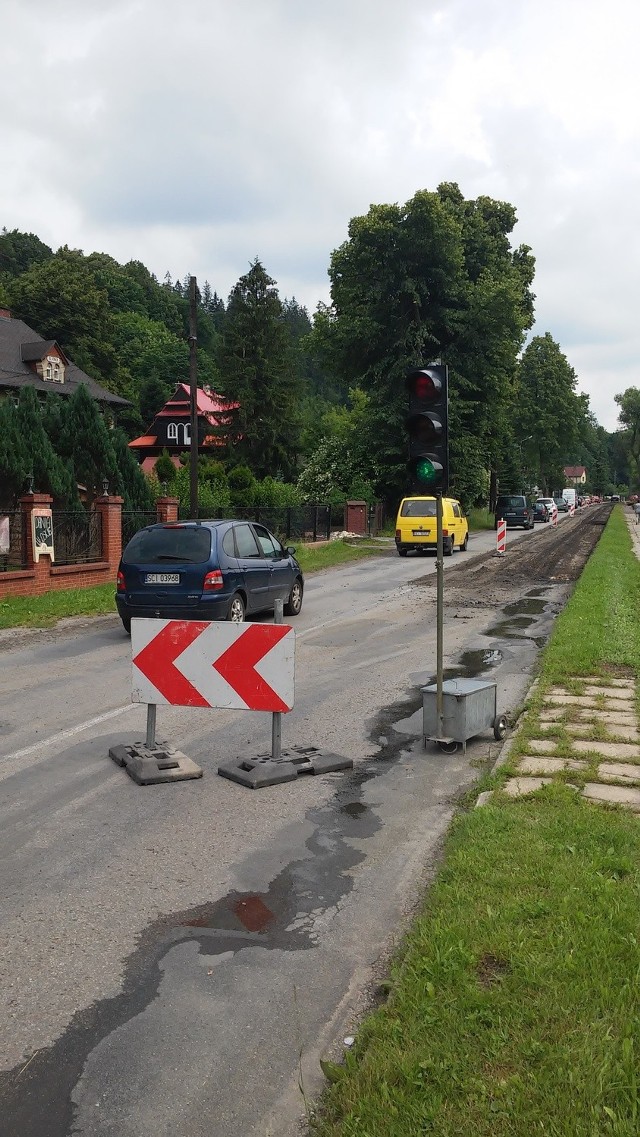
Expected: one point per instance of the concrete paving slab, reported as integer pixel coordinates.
(484, 798)
(552, 714)
(519, 787)
(542, 745)
(615, 795)
(620, 718)
(618, 694)
(622, 770)
(570, 701)
(608, 749)
(531, 764)
(622, 733)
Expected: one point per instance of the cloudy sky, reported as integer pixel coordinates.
(194, 135)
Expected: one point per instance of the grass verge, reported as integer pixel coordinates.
(513, 1007)
(44, 611)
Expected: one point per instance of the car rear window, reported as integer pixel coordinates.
(511, 503)
(189, 545)
(417, 508)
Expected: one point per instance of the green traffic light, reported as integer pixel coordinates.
(426, 472)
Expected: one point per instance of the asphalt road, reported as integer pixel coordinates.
(176, 958)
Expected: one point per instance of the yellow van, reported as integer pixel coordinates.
(416, 525)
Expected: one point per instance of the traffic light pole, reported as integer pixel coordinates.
(439, 615)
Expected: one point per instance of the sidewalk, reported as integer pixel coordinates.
(587, 735)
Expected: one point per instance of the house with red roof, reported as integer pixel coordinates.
(171, 427)
(575, 475)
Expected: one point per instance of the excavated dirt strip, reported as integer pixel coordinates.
(553, 555)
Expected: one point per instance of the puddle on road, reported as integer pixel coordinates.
(354, 808)
(512, 629)
(528, 606)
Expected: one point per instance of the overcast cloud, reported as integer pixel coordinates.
(194, 136)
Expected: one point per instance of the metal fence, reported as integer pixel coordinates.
(302, 522)
(13, 541)
(135, 519)
(77, 537)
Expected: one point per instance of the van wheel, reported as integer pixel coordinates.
(448, 547)
(402, 552)
(126, 624)
(465, 543)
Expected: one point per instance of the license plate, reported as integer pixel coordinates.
(421, 532)
(162, 578)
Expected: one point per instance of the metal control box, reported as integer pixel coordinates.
(469, 707)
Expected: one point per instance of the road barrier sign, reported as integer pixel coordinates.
(554, 515)
(501, 538)
(572, 509)
(202, 663)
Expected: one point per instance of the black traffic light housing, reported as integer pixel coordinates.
(428, 428)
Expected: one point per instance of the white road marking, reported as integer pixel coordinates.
(13, 762)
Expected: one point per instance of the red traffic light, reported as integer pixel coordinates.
(424, 384)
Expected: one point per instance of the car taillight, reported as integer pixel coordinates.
(398, 534)
(213, 580)
(120, 585)
(445, 532)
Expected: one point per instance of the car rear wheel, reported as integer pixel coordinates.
(465, 543)
(448, 547)
(126, 624)
(294, 603)
(402, 552)
(236, 609)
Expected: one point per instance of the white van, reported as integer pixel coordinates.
(569, 496)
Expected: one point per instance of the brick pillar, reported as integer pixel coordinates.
(41, 567)
(355, 517)
(167, 508)
(111, 510)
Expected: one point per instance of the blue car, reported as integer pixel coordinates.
(206, 570)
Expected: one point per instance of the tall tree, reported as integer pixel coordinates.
(629, 417)
(258, 372)
(434, 278)
(15, 457)
(19, 251)
(60, 300)
(87, 443)
(547, 408)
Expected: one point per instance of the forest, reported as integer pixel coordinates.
(321, 399)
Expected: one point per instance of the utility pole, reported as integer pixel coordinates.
(193, 390)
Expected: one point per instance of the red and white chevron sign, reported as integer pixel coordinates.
(203, 663)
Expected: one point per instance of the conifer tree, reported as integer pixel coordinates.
(50, 473)
(86, 440)
(258, 372)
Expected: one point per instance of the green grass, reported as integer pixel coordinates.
(514, 1003)
(481, 519)
(44, 611)
(600, 625)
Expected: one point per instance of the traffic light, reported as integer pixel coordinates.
(428, 428)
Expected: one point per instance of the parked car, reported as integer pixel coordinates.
(541, 511)
(206, 570)
(562, 505)
(416, 525)
(515, 510)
